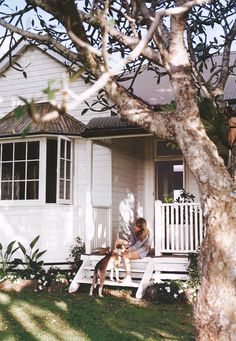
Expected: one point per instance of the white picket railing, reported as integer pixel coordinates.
(102, 226)
(178, 227)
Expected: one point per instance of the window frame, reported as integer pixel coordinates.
(59, 158)
(41, 201)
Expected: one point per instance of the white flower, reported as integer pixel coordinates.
(180, 291)
(39, 280)
(40, 287)
(32, 276)
(175, 295)
(167, 289)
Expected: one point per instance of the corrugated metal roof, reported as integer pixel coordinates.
(155, 92)
(11, 125)
(111, 126)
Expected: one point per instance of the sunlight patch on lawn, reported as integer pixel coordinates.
(61, 305)
(4, 298)
(40, 322)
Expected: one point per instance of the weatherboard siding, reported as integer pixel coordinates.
(127, 182)
(39, 68)
(56, 225)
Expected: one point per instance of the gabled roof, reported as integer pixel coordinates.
(110, 127)
(11, 125)
(19, 48)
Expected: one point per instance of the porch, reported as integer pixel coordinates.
(178, 228)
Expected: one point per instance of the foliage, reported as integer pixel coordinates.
(76, 251)
(193, 271)
(170, 291)
(32, 263)
(5, 257)
(214, 120)
(184, 197)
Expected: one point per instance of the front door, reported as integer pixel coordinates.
(169, 172)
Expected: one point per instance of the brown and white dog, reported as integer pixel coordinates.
(110, 262)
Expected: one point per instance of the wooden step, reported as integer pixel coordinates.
(132, 284)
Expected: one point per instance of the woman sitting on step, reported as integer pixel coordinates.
(137, 247)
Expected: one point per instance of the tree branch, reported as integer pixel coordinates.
(45, 39)
(219, 88)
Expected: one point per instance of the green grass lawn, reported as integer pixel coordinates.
(31, 316)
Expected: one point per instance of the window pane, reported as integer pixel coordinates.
(68, 150)
(33, 150)
(68, 163)
(6, 188)
(32, 169)
(20, 151)
(61, 193)
(7, 152)
(7, 171)
(32, 190)
(19, 190)
(63, 148)
(62, 169)
(67, 190)
(19, 170)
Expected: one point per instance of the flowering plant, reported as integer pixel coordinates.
(169, 291)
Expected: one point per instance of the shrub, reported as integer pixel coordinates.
(75, 253)
(168, 291)
(5, 258)
(193, 271)
(32, 264)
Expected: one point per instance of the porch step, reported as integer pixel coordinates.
(132, 284)
(142, 271)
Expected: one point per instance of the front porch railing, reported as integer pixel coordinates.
(178, 227)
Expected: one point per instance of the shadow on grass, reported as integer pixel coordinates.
(45, 316)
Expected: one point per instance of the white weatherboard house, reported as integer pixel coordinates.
(89, 175)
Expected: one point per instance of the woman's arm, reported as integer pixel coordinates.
(139, 243)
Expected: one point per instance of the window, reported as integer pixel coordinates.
(36, 170)
(19, 169)
(64, 178)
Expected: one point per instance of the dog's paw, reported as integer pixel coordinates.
(73, 287)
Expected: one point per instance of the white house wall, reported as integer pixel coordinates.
(54, 223)
(128, 174)
(101, 183)
(40, 68)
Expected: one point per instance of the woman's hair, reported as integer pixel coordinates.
(142, 224)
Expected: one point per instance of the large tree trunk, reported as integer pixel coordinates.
(215, 312)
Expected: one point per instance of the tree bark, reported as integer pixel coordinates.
(215, 312)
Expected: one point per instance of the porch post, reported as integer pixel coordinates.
(158, 229)
(89, 221)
